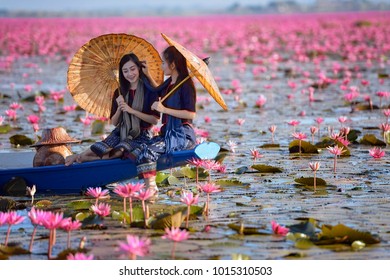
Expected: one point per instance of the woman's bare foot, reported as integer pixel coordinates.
(69, 160)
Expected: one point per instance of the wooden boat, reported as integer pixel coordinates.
(61, 179)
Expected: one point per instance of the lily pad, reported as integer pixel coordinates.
(12, 250)
(167, 220)
(98, 127)
(370, 139)
(43, 203)
(350, 234)
(6, 128)
(79, 204)
(248, 230)
(263, 168)
(20, 140)
(308, 228)
(230, 183)
(267, 146)
(241, 170)
(306, 147)
(7, 204)
(309, 181)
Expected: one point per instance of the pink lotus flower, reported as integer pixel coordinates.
(97, 193)
(189, 199)
(40, 100)
(293, 123)
(11, 114)
(232, 146)
(11, 218)
(176, 235)
(314, 166)
(52, 222)
(208, 188)
(207, 119)
(1, 120)
(128, 191)
(79, 257)
(68, 225)
(272, 129)
(102, 209)
(33, 119)
(16, 106)
(278, 229)
(197, 163)
(135, 246)
(69, 108)
(261, 100)
(255, 155)
(300, 136)
(210, 165)
(386, 112)
(144, 195)
(36, 217)
(377, 153)
(336, 151)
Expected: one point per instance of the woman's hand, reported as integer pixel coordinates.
(158, 106)
(123, 106)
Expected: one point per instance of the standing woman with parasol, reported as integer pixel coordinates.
(131, 113)
(178, 111)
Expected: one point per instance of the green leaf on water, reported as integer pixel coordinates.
(82, 215)
(230, 183)
(267, 146)
(309, 181)
(97, 127)
(266, 168)
(307, 227)
(20, 140)
(306, 147)
(350, 234)
(79, 204)
(12, 250)
(167, 220)
(160, 177)
(248, 230)
(241, 170)
(370, 139)
(303, 243)
(6, 128)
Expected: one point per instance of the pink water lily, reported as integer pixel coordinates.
(278, 229)
(11, 218)
(37, 217)
(97, 193)
(128, 191)
(135, 246)
(208, 188)
(336, 151)
(189, 199)
(377, 152)
(176, 235)
(102, 209)
(68, 225)
(314, 166)
(300, 136)
(144, 195)
(52, 223)
(79, 257)
(272, 129)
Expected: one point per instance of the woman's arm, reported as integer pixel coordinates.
(181, 114)
(116, 117)
(145, 69)
(145, 117)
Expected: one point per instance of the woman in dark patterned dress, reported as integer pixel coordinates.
(178, 112)
(131, 113)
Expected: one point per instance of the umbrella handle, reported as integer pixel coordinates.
(175, 88)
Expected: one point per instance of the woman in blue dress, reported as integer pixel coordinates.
(131, 113)
(178, 112)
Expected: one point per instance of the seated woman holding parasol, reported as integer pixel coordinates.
(131, 113)
(179, 110)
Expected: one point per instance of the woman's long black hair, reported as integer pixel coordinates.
(125, 84)
(172, 55)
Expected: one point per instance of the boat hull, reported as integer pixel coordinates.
(61, 179)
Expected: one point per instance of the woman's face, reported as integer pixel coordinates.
(130, 72)
(166, 67)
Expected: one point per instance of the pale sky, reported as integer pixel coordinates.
(63, 5)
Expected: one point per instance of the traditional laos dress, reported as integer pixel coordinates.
(131, 131)
(175, 135)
